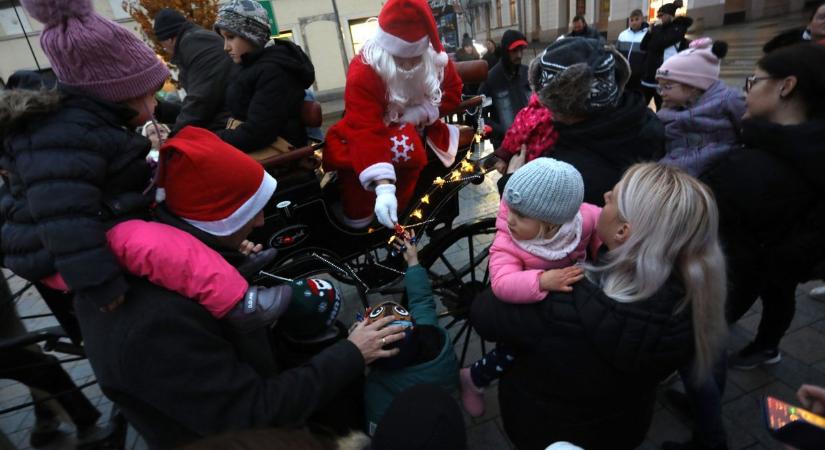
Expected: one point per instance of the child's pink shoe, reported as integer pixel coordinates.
(472, 398)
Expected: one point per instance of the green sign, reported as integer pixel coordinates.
(273, 24)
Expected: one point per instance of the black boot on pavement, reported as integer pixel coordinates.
(755, 355)
(260, 307)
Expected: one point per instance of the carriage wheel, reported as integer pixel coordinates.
(459, 271)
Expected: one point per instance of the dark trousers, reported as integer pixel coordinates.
(705, 398)
(491, 366)
(778, 305)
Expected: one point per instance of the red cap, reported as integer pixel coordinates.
(517, 44)
(406, 28)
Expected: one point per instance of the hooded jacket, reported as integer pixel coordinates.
(603, 146)
(74, 168)
(770, 197)
(508, 88)
(204, 73)
(266, 95)
(660, 40)
(588, 366)
(701, 134)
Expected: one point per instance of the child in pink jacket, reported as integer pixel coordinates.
(543, 231)
(200, 169)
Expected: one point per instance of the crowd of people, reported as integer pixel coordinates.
(627, 240)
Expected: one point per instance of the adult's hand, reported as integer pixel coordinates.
(370, 339)
(812, 398)
(386, 205)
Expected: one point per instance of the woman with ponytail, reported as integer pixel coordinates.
(590, 360)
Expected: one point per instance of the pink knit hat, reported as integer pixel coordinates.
(94, 54)
(698, 66)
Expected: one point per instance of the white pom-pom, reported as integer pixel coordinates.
(160, 194)
(441, 59)
(54, 12)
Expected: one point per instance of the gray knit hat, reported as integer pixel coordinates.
(245, 18)
(579, 76)
(546, 189)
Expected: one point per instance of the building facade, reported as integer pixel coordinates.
(544, 20)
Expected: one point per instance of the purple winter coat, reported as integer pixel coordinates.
(697, 137)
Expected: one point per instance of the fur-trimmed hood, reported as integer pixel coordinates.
(19, 106)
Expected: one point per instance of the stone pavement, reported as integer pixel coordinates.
(803, 347)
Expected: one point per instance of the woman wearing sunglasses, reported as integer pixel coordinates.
(771, 195)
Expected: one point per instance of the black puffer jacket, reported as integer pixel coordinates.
(771, 198)
(604, 146)
(587, 366)
(204, 74)
(267, 95)
(73, 168)
(658, 39)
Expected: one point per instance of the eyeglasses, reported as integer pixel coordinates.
(751, 80)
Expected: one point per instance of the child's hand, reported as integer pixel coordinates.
(561, 280)
(517, 160)
(410, 252)
(248, 248)
(500, 166)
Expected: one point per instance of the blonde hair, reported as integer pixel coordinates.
(674, 223)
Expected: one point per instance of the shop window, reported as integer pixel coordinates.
(361, 31)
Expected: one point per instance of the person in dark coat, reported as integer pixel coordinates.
(507, 85)
(74, 163)
(771, 194)
(602, 129)
(492, 55)
(590, 361)
(814, 32)
(580, 28)
(204, 69)
(179, 374)
(661, 42)
(265, 97)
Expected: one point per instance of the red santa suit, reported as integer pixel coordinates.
(362, 147)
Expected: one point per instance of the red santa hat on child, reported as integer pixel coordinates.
(210, 184)
(406, 28)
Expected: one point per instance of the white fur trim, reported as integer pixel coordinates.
(251, 207)
(399, 47)
(447, 156)
(160, 194)
(377, 171)
(441, 59)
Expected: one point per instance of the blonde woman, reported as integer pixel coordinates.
(590, 360)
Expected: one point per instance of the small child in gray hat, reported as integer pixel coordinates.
(543, 230)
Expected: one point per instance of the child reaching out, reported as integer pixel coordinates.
(543, 231)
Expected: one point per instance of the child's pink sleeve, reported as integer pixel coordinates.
(510, 282)
(590, 219)
(178, 261)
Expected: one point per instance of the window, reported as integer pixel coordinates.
(9, 23)
(498, 14)
(361, 30)
(513, 18)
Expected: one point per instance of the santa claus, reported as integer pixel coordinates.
(397, 88)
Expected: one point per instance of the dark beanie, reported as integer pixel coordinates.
(168, 23)
(668, 8)
(421, 418)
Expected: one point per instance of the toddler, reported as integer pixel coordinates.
(543, 231)
(700, 113)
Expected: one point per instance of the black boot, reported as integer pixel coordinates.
(260, 307)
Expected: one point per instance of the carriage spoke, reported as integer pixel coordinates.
(466, 343)
(450, 268)
(461, 331)
(472, 258)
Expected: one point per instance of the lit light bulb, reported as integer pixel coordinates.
(467, 166)
(418, 214)
(370, 230)
(439, 181)
(425, 199)
(478, 138)
(455, 175)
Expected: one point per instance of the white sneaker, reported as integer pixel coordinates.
(818, 293)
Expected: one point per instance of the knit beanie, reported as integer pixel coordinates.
(547, 190)
(423, 417)
(245, 18)
(579, 76)
(314, 307)
(94, 54)
(168, 23)
(668, 8)
(698, 66)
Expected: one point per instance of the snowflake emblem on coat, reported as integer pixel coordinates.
(401, 148)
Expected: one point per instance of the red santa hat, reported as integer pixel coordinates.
(211, 184)
(406, 28)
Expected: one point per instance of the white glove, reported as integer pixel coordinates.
(386, 205)
(420, 115)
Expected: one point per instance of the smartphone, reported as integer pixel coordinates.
(794, 426)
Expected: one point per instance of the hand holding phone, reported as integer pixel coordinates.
(794, 426)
